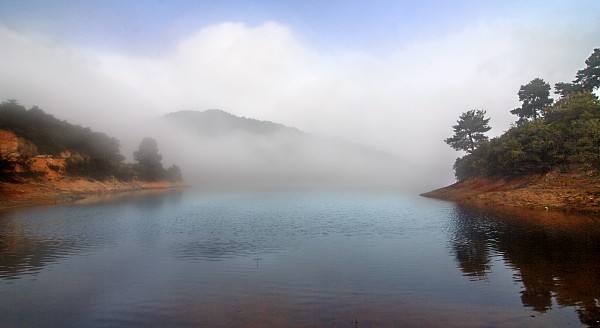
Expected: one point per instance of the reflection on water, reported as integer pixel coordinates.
(554, 256)
(296, 259)
(32, 239)
(26, 250)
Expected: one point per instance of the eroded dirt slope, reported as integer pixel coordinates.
(575, 191)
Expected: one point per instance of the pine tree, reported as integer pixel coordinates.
(149, 160)
(589, 77)
(535, 96)
(469, 131)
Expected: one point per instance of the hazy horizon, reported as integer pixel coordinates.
(392, 76)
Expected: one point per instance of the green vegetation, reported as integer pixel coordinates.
(535, 96)
(96, 155)
(149, 166)
(547, 135)
(469, 131)
(589, 77)
(148, 160)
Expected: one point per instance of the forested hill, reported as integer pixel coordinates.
(36, 144)
(219, 123)
(549, 134)
(236, 152)
(53, 136)
(215, 122)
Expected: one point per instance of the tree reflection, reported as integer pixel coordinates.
(553, 255)
(21, 253)
(32, 239)
(471, 247)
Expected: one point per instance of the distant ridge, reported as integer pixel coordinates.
(219, 123)
(216, 122)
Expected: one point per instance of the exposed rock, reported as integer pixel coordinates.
(47, 166)
(9, 143)
(20, 158)
(13, 147)
(14, 153)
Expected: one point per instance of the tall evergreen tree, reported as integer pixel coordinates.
(469, 131)
(589, 77)
(564, 89)
(149, 160)
(535, 96)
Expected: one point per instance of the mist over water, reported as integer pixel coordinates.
(229, 158)
(278, 161)
(401, 99)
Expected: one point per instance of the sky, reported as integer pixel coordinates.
(140, 25)
(394, 75)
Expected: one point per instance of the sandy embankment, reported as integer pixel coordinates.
(69, 189)
(577, 192)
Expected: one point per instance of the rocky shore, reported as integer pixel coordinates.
(574, 192)
(68, 189)
(30, 178)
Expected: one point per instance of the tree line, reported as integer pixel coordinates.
(548, 134)
(98, 155)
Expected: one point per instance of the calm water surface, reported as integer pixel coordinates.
(297, 259)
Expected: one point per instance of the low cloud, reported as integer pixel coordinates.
(402, 101)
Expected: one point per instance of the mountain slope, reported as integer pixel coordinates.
(216, 122)
(219, 123)
(221, 148)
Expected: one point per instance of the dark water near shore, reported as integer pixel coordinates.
(297, 259)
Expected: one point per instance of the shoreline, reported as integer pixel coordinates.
(575, 192)
(69, 190)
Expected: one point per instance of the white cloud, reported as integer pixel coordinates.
(402, 101)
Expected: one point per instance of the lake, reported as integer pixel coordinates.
(294, 259)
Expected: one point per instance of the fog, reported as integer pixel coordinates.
(401, 101)
(283, 159)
